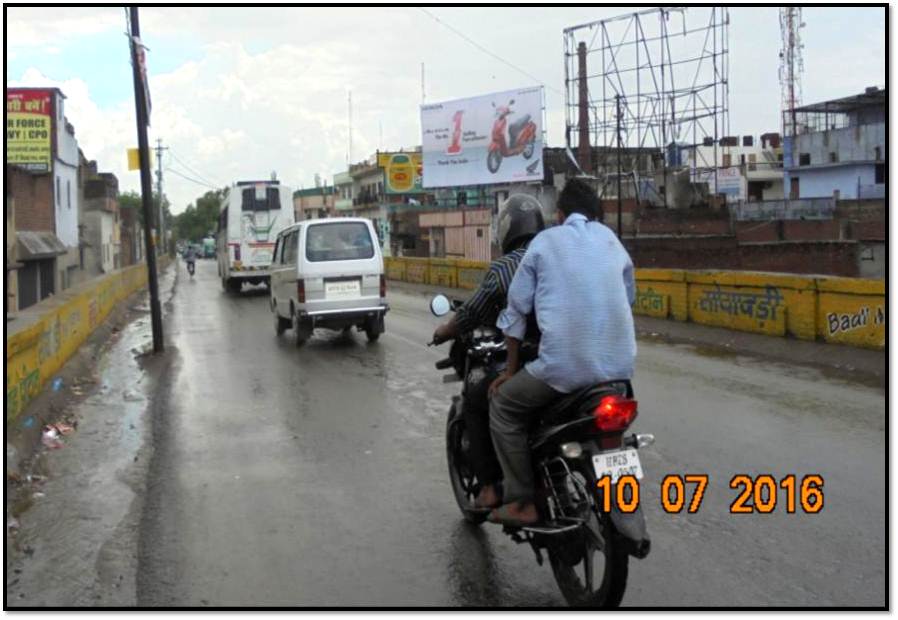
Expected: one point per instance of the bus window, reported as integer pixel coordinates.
(256, 201)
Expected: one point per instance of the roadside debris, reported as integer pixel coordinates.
(51, 438)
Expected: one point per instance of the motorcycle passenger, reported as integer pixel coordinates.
(520, 219)
(578, 279)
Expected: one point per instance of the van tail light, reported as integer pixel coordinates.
(615, 413)
(301, 291)
(383, 285)
(236, 252)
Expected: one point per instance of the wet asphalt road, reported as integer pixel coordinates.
(317, 476)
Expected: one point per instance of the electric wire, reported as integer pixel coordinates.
(191, 169)
(184, 176)
(488, 52)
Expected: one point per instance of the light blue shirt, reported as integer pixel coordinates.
(578, 278)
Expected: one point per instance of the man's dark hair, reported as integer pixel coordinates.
(578, 197)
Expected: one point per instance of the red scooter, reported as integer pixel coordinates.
(522, 135)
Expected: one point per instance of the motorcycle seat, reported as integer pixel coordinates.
(515, 128)
(585, 399)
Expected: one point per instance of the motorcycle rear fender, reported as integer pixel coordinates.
(631, 527)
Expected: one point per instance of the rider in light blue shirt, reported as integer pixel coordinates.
(578, 280)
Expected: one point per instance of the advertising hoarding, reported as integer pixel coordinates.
(402, 172)
(495, 138)
(29, 128)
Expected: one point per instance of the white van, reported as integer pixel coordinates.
(328, 273)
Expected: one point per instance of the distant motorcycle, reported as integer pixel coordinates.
(191, 267)
(522, 137)
(574, 444)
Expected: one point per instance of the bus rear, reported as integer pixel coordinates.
(256, 211)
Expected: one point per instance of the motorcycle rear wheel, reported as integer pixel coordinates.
(575, 569)
(462, 479)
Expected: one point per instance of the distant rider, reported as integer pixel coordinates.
(520, 219)
(190, 258)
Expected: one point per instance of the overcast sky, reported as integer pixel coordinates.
(241, 92)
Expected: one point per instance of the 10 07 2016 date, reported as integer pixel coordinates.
(762, 494)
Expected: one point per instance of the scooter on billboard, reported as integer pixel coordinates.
(521, 137)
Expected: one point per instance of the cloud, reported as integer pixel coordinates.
(29, 27)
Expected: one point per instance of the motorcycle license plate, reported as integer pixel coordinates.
(617, 464)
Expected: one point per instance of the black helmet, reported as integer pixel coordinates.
(520, 219)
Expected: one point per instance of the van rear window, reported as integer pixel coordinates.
(339, 241)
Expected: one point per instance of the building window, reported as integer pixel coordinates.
(879, 174)
(68, 193)
(877, 153)
(58, 192)
(804, 159)
(833, 157)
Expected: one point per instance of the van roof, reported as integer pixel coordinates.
(324, 220)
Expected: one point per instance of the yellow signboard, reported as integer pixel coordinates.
(402, 172)
(29, 128)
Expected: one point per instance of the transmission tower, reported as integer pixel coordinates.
(791, 65)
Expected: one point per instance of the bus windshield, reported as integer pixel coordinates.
(254, 199)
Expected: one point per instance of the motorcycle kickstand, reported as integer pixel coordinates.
(527, 538)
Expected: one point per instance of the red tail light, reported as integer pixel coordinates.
(615, 413)
(383, 285)
(301, 291)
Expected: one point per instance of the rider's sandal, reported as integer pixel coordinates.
(501, 515)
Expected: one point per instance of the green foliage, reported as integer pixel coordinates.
(201, 220)
(133, 200)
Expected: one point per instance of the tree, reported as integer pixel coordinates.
(200, 220)
(133, 200)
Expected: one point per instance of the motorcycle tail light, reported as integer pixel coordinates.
(615, 413)
(383, 285)
(301, 291)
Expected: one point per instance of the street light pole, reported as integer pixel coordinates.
(146, 183)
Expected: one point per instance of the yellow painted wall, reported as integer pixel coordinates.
(845, 310)
(36, 352)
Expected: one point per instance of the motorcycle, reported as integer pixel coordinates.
(191, 267)
(587, 537)
(522, 136)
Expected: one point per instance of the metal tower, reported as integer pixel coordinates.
(791, 65)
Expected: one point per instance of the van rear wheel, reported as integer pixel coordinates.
(302, 329)
(374, 328)
(280, 323)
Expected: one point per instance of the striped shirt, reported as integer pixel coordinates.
(484, 306)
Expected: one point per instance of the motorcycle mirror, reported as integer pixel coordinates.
(440, 305)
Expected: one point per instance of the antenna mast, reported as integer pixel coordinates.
(791, 65)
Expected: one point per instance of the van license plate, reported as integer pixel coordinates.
(617, 464)
(343, 289)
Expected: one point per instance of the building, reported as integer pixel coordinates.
(131, 236)
(42, 169)
(101, 224)
(343, 193)
(314, 202)
(749, 169)
(837, 148)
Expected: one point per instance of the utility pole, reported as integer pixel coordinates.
(160, 211)
(146, 183)
(619, 198)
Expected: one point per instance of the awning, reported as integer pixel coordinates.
(35, 245)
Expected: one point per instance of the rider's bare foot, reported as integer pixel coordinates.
(488, 497)
(515, 514)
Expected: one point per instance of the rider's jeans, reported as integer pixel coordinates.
(511, 412)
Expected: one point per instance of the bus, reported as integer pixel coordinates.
(252, 215)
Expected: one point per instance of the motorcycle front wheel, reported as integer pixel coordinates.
(463, 481)
(590, 568)
(493, 161)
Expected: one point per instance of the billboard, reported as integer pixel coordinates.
(402, 172)
(29, 128)
(494, 138)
